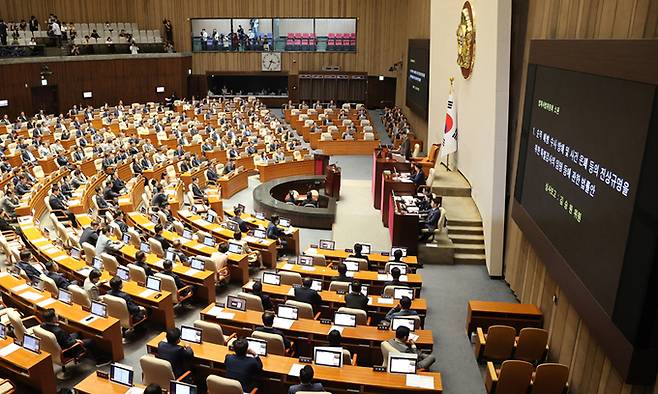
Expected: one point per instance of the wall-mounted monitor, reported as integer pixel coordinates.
(418, 76)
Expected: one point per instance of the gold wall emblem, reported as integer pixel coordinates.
(466, 41)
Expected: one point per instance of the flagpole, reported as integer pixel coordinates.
(447, 163)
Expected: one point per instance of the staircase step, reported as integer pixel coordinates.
(467, 238)
(464, 222)
(464, 230)
(469, 248)
(470, 258)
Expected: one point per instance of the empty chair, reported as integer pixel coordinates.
(212, 332)
(79, 296)
(362, 318)
(513, 377)
(158, 371)
(275, 343)
(369, 136)
(531, 345)
(135, 240)
(90, 252)
(254, 302)
(339, 286)
(49, 285)
(497, 344)
(48, 343)
(219, 385)
(177, 295)
(20, 325)
(550, 378)
(290, 278)
(110, 263)
(137, 273)
(304, 309)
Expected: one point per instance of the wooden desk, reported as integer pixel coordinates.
(269, 172)
(267, 247)
(488, 313)
(292, 237)
(378, 167)
(307, 333)
(403, 227)
(390, 185)
(238, 263)
(209, 358)
(378, 259)
(92, 384)
(234, 183)
(105, 332)
(348, 147)
(32, 369)
(378, 307)
(373, 279)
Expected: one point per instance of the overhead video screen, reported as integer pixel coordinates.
(585, 144)
(418, 76)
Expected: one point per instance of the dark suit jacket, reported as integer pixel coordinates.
(178, 356)
(160, 200)
(307, 295)
(31, 272)
(243, 369)
(56, 203)
(89, 236)
(163, 241)
(133, 309)
(64, 338)
(59, 279)
(419, 178)
(356, 301)
(196, 191)
(211, 175)
(432, 219)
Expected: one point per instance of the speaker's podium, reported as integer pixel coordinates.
(332, 182)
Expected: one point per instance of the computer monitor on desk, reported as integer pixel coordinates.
(122, 374)
(328, 356)
(402, 363)
(176, 387)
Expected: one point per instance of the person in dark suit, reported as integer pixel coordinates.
(417, 175)
(211, 174)
(257, 290)
(117, 184)
(405, 147)
(431, 221)
(358, 249)
(395, 274)
(153, 389)
(308, 295)
(57, 203)
(237, 212)
(24, 264)
(403, 344)
(196, 189)
(268, 321)
(137, 167)
(342, 274)
(167, 269)
(136, 312)
(402, 309)
(140, 261)
(355, 299)
(178, 356)
(273, 232)
(160, 238)
(309, 200)
(230, 166)
(306, 381)
(60, 280)
(243, 368)
(90, 234)
(66, 340)
(159, 199)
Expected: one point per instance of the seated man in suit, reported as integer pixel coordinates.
(402, 309)
(160, 238)
(140, 261)
(65, 339)
(257, 290)
(197, 191)
(57, 202)
(102, 203)
(211, 174)
(92, 284)
(309, 200)
(243, 368)
(268, 321)
(153, 388)
(342, 274)
(273, 232)
(237, 213)
(358, 249)
(167, 269)
(417, 175)
(178, 356)
(306, 381)
(403, 344)
(60, 280)
(24, 264)
(136, 312)
(90, 234)
(308, 295)
(431, 221)
(159, 199)
(395, 274)
(355, 299)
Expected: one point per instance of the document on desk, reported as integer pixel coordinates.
(39, 240)
(31, 295)
(286, 267)
(20, 287)
(308, 268)
(191, 272)
(220, 314)
(51, 250)
(60, 257)
(413, 337)
(283, 324)
(199, 222)
(135, 390)
(146, 293)
(294, 369)
(420, 381)
(46, 302)
(384, 277)
(385, 300)
(84, 271)
(12, 347)
(251, 239)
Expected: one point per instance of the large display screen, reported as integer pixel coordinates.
(585, 138)
(418, 76)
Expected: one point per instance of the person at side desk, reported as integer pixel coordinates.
(159, 198)
(431, 221)
(137, 312)
(402, 309)
(309, 201)
(24, 264)
(417, 175)
(211, 175)
(306, 382)
(153, 389)
(67, 341)
(168, 269)
(257, 290)
(60, 280)
(268, 322)
(90, 234)
(196, 189)
(140, 261)
(355, 299)
(243, 368)
(230, 166)
(308, 295)
(91, 285)
(177, 248)
(342, 274)
(237, 213)
(273, 232)
(178, 356)
(403, 344)
(160, 238)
